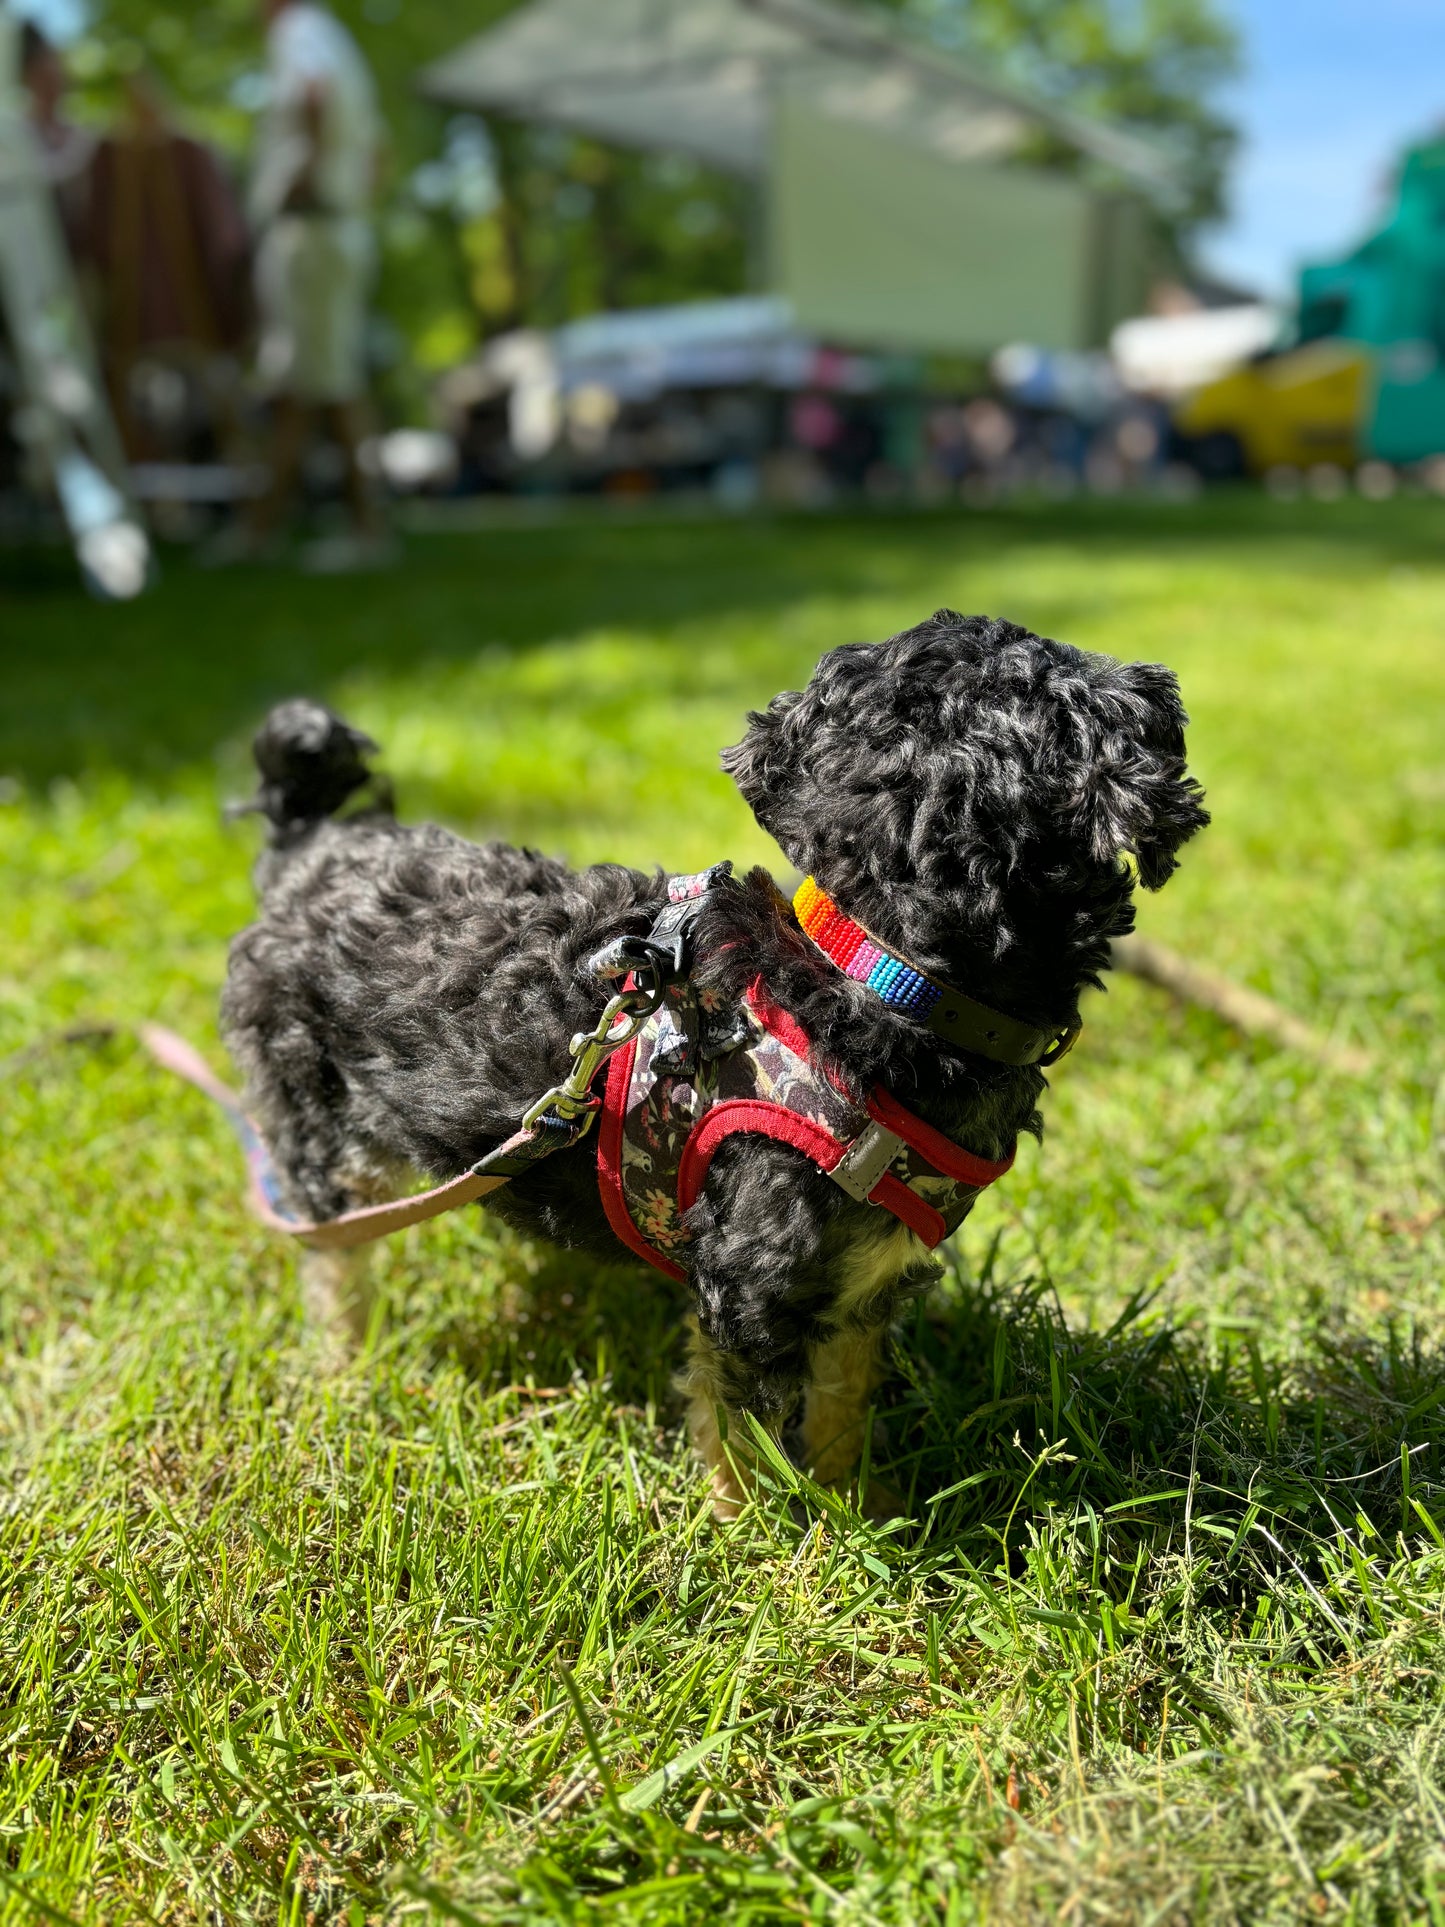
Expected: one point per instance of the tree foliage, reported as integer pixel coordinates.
(578, 226)
(486, 228)
(1154, 66)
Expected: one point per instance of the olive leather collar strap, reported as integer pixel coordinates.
(961, 1021)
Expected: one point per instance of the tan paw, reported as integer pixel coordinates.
(882, 1502)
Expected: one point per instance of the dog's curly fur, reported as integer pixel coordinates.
(965, 790)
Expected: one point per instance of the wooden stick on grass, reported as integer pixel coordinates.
(1247, 1010)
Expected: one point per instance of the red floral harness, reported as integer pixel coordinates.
(696, 1075)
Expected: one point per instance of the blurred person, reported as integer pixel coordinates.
(168, 246)
(59, 422)
(65, 150)
(315, 260)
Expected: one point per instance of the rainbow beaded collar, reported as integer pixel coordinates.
(962, 1020)
(859, 957)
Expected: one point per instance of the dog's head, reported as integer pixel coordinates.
(979, 797)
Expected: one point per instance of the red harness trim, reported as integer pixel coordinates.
(764, 1119)
(892, 1194)
(942, 1153)
(782, 1023)
(786, 1127)
(609, 1163)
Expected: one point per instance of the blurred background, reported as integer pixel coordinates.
(279, 279)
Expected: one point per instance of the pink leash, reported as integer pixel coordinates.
(330, 1234)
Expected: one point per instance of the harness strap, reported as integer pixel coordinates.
(884, 1108)
(666, 1115)
(893, 1125)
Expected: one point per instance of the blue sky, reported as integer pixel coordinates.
(1333, 89)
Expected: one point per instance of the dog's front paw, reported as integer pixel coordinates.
(729, 1495)
(881, 1502)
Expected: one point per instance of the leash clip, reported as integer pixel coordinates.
(648, 966)
(573, 1100)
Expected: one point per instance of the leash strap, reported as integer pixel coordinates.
(558, 1119)
(510, 1160)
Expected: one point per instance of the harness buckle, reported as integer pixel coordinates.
(639, 956)
(865, 1161)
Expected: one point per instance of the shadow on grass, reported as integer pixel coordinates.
(999, 1416)
(1200, 1441)
(152, 688)
(558, 1313)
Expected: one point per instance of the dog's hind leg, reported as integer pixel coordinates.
(338, 1287)
(337, 1293)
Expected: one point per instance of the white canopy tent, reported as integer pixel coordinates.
(702, 77)
(834, 108)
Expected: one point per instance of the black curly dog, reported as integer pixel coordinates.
(967, 791)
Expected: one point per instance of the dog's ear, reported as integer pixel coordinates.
(764, 763)
(1132, 794)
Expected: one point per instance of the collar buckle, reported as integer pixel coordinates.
(1061, 1046)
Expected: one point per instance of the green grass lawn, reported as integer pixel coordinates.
(448, 1633)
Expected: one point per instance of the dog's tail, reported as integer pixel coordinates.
(310, 763)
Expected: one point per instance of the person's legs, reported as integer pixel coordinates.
(334, 354)
(281, 269)
(313, 276)
(290, 423)
(350, 423)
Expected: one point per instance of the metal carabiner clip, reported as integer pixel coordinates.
(589, 1050)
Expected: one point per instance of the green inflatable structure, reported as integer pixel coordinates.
(1388, 295)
